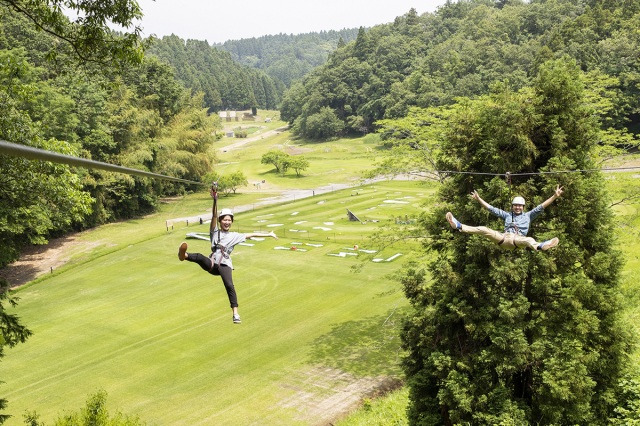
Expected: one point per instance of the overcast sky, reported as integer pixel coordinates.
(217, 21)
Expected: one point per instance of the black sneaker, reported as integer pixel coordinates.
(182, 251)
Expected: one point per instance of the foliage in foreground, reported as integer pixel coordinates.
(389, 411)
(138, 117)
(524, 337)
(94, 413)
(11, 331)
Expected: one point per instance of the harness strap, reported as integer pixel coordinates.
(223, 254)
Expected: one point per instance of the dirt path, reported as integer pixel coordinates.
(38, 260)
(290, 195)
(245, 141)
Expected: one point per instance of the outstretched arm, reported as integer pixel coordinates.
(214, 210)
(556, 194)
(479, 199)
(261, 234)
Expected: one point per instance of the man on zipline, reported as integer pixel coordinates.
(222, 243)
(516, 223)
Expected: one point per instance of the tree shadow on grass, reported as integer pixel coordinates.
(367, 347)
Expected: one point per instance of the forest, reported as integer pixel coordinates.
(463, 50)
(287, 57)
(224, 83)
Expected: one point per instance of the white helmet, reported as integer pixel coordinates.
(518, 200)
(225, 212)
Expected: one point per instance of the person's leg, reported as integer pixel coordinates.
(521, 241)
(200, 259)
(489, 233)
(227, 279)
(495, 236)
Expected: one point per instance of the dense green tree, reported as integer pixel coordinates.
(287, 57)
(36, 197)
(518, 337)
(466, 47)
(322, 125)
(117, 116)
(88, 35)
(279, 160)
(224, 83)
(299, 164)
(231, 182)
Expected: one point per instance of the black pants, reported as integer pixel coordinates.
(222, 270)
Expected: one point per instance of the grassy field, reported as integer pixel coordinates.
(124, 315)
(157, 335)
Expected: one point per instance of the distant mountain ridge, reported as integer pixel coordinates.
(245, 73)
(287, 57)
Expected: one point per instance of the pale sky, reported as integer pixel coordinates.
(217, 21)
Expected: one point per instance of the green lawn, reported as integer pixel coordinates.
(127, 317)
(157, 335)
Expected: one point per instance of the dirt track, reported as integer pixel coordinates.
(245, 141)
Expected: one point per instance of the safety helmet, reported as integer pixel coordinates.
(225, 212)
(518, 200)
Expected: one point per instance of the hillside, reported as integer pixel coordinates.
(287, 57)
(465, 49)
(226, 84)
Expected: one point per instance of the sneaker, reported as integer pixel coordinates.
(236, 319)
(453, 222)
(549, 244)
(182, 251)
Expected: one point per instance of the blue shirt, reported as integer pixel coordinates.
(517, 223)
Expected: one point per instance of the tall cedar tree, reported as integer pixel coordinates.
(518, 336)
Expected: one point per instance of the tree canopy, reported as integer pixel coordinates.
(88, 35)
(287, 57)
(463, 49)
(139, 116)
(224, 83)
(524, 337)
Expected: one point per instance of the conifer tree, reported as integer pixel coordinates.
(522, 337)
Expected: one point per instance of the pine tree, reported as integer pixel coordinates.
(519, 336)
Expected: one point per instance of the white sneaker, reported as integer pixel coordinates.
(549, 244)
(453, 222)
(236, 319)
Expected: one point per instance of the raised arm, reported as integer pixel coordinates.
(556, 194)
(261, 234)
(214, 210)
(479, 199)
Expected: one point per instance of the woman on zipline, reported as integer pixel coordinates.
(516, 223)
(222, 243)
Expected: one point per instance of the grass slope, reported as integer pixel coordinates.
(157, 335)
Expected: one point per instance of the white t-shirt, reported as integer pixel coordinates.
(227, 239)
